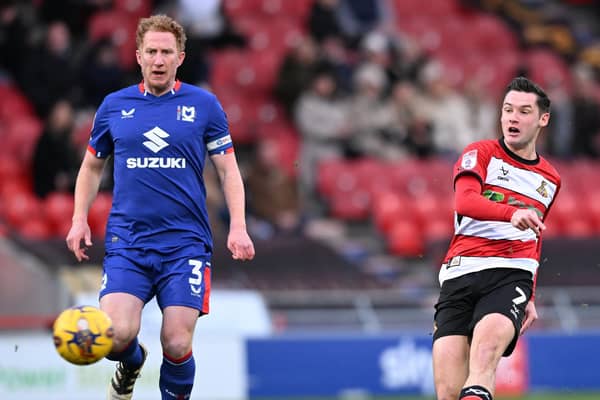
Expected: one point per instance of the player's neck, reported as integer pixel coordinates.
(155, 91)
(527, 153)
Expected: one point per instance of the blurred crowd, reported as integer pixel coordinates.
(355, 84)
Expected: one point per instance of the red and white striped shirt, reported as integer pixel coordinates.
(484, 238)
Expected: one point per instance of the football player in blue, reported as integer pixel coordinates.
(158, 239)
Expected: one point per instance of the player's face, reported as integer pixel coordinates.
(521, 121)
(159, 59)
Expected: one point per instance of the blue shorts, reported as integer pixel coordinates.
(175, 280)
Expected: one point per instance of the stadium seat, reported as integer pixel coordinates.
(58, 209)
(390, 208)
(405, 239)
(13, 104)
(21, 207)
(329, 173)
(98, 214)
(35, 228)
(136, 8)
(547, 68)
(118, 26)
(351, 206)
(241, 8)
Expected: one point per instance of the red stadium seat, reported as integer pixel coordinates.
(406, 239)
(118, 26)
(353, 206)
(99, 213)
(390, 208)
(13, 104)
(332, 173)
(35, 229)
(58, 208)
(21, 207)
(285, 8)
(137, 8)
(241, 8)
(547, 68)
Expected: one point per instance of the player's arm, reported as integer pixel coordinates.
(238, 241)
(469, 202)
(86, 189)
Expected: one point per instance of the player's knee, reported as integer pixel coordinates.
(446, 392)
(123, 335)
(176, 346)
(485, 357)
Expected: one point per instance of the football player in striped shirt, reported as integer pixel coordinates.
(503, 192)
(158, 239)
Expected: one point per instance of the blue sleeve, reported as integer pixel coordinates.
(217, 136)
(101, 143)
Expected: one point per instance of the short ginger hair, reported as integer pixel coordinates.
(160, 23)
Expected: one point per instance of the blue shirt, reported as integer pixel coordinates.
(159, 146)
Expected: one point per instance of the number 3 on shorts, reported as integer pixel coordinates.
(196, 278)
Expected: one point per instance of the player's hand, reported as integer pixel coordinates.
(530, 316)
(240, 244)
(80, 231)
(525, 219)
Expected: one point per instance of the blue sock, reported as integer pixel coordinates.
(132, 356)
(177, 377)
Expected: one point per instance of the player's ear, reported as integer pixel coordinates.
(138, 56)
(544, 119)
(181, 58)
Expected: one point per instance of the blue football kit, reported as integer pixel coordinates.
(158, 238)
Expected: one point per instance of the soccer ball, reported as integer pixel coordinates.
(83, 335)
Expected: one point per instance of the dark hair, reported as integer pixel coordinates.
(522, 84)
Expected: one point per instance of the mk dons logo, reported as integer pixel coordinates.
(185, 113)
(155, 140)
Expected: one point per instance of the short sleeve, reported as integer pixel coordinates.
(217, 137)
(101, 143)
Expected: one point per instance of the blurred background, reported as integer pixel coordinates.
(347, 116)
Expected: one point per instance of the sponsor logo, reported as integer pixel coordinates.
(127, 114)
(520, 299)
(155, 140)
(504, 173)
(406, 365)
(156, 162)
(215, 144)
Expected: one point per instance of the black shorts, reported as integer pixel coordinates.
(465, 300)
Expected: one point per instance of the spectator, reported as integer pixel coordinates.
(586, 119)
(103, 73)
(273, 195)
(323, 20)
(296, 72)
(446, 109)
(410, 130)
(55, 160)
(14, 38)
(322, 119)
(52, 67)
(371, 120)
